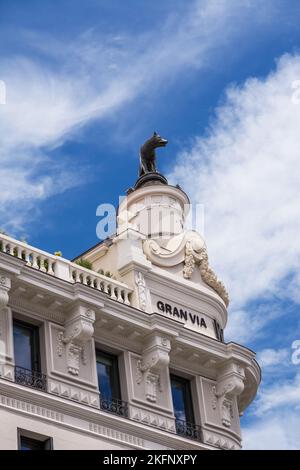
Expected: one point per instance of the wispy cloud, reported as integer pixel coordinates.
(58, 88)
(273, 357)
(277, 432)
(247, 173)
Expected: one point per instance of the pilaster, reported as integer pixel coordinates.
(6, 331)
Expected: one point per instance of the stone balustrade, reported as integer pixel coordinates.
(64, 269)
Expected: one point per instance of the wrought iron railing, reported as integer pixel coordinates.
(38, 380)
(31, 378)
(114, 405)
(188, 430)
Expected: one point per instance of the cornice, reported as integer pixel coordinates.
(58, 407)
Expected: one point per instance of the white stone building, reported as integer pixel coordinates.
(128, 355)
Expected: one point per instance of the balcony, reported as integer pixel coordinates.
(61, 268)
(38, 380)
(115, 406)
(31, 378)
(188, 430)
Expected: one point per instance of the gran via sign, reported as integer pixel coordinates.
(191, 319)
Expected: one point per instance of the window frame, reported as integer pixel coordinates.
(36, 343)
(188, 397)
(116, 373)
(33, 436)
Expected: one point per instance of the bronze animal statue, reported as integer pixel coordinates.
(147, 154)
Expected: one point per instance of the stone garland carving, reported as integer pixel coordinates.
(188, 248)
(211, 279)
(189, 261)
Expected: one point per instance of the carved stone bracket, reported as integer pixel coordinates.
(230, 385)
(79, 330)
(5, 285)
(155, 359)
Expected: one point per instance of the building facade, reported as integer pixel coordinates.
(124, 350)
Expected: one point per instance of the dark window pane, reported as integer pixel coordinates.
(26, 345)
(108, 375)
(27, 443)
(182, 401)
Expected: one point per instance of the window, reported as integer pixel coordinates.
(109, 384)
(183, 408)
(27, 356)
(108, 375)
(33, 441)
(182, 400)
(26, 345)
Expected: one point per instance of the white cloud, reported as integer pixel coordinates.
(279, 432)
(247, 173)
(272, 357)
(276, 411)
(281, 394)
(48, 100)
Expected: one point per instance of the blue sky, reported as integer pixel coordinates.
(86, 84)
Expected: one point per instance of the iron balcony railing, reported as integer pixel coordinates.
(31, 378)
(188, 430)
(114, 405)
(38, 380)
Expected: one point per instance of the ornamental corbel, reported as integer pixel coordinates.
(5, 285)
(155, 359)
(79, 329)
(230, 384)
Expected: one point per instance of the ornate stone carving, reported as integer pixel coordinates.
(59, 343)
(230, 385)
(73, 357)
(210, 277)
(227, 412)
(155, 360)
(153, 383)
(142, 290)
(188, 248)
(5, 285)
(79, 330)
(189, 261)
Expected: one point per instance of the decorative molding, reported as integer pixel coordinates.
(5, 285)
(188, 248)
(155, 359)
(84, 426)
(27, 308)
(78, 331)
(142, 290)
(189, 261)
(210, 278)
(72, 392)
(216, 440)
(152, 419)
(230, 384)
(117, 435)
(32, 409)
